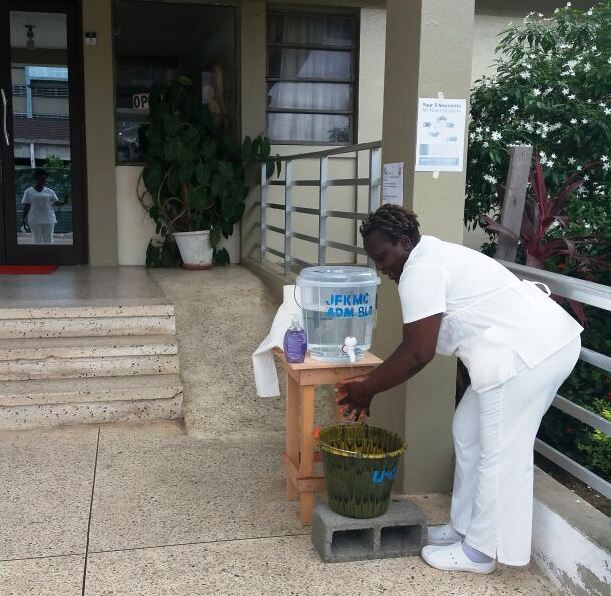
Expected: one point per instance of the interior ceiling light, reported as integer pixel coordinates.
(29, 44)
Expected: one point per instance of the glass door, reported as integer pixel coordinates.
(42, 199)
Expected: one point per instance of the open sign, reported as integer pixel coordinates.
(140, 101)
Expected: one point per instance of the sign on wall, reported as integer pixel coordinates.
(392, 183)
(140, 101)
(440, 140)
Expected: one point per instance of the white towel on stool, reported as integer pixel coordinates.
(266, 376)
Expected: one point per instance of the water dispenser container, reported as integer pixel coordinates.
(339, 310)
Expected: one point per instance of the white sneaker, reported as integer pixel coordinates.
(453, 558)
(442, 535)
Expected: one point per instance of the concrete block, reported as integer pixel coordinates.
(400, 532)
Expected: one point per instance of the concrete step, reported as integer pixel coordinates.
(53, 402)
(87, 347)
(86, 321)
(113, 366)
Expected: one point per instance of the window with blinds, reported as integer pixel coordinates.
(312, 62)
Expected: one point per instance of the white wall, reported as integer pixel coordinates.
(135, 228)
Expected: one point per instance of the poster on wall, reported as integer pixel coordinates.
(392, 183)
(440, 140)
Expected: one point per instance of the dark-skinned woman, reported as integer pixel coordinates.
(518, 346)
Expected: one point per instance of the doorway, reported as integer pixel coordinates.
(42, 203)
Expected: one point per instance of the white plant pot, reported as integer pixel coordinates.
(195, 249)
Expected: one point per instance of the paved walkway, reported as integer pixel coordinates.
(147, 510)
(151, 510)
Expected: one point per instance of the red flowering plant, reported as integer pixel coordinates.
(543, 217)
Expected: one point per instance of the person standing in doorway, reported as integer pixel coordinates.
(518, 346)
(39, 204)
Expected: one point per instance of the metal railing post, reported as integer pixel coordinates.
(263, 212)
(288, 215)
(375, 167)
(374, 179)
(322, 215)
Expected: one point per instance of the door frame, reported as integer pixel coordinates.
(77, 253)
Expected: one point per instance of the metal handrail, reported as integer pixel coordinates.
(597, 295)
(333, 152)
(324, 182)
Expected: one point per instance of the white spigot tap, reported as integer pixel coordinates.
(348, 348)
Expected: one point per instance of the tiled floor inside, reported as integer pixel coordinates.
(147, 510)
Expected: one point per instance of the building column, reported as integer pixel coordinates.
(100, 135)
(253, 29)
(428, 50)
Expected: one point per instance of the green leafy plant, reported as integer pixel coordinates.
(543, 215)
(551, 90)
(195, 176)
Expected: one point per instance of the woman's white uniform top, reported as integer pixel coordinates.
(495, 323)
(41, 205)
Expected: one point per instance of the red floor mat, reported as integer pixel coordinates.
(27, 269)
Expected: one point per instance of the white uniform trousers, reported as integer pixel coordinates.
(494, 433)
(42, 233)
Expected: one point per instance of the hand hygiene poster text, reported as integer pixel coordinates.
(440, 140)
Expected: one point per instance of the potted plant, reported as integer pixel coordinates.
(194, 178)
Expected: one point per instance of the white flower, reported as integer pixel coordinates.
(587, 67)
(568, 5)
(513, 109)
(556, 10)
(589, 13)
(471, 135)
(606, 166)
(540, 15)
(478, 129)
(542, 155)
(528, 126)
(584, 120)
(607, 111)
(548, 90)
(571, 160)
(537, 92)
(572, 96)
(609, 60)
(496, 136)
(565, 91)
(474, 161)
(525, 74)
(490, 179)
(573, 120)
(604, 158)
(485, 144)
(553, 156)
(602, 105)
(487, 129)
(505, 98)
(579, 167)
(586, 178)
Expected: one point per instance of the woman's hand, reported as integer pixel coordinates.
(355, 397)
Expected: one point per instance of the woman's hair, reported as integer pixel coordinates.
(393, 222)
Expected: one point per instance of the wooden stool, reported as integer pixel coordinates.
(299, 457)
